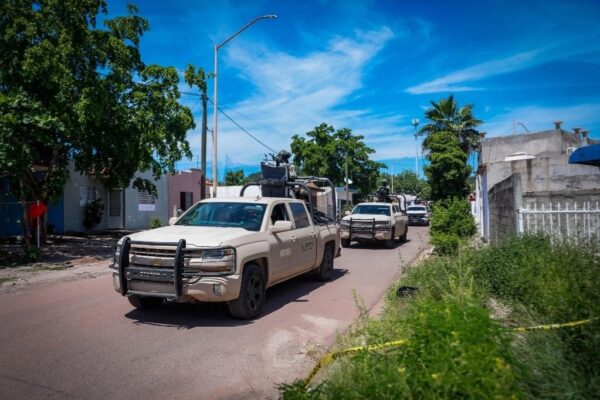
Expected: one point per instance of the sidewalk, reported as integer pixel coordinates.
(64, 257)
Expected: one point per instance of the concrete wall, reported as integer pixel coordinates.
(136, 218)
(75, 209)
(540, 144)
(183, 181)
(505, 198)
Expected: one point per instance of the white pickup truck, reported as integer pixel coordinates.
(374, 222)
(225, 250)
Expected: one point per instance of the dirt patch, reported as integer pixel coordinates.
(66, 250)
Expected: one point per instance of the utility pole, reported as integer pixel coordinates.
(203, 155)
(347, 188)
(392, 178)
(415, 123)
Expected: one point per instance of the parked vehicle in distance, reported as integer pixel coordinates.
(371, 222)
(417, 215)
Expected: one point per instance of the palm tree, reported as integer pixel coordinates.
(446, 116)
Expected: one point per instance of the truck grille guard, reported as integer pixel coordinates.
(177, 265)
(174, 275)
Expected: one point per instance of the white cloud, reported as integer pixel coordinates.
(294, 93)
(454, 82)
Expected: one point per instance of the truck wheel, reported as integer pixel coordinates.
(323, 273)
(252, 294)
(389, 244)
(405, 234)
(144, 303)
(345, 243)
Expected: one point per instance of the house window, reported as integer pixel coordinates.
(87, 194)
(186, 200)
(146, 202)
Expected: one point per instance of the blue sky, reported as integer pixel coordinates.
(372, 66)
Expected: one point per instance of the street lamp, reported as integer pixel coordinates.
(415, 123)
(216, 102)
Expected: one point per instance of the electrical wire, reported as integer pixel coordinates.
(243, 130)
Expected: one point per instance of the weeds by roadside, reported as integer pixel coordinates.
(461, 344)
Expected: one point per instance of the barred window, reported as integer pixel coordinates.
(146, 201)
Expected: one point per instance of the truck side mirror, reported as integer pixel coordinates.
(172, 220)
(280, 226)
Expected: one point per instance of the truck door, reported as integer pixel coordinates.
(305, 249)
(283, 262)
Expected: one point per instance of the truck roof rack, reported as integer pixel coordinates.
(278, 179)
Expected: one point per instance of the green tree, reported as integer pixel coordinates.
(325, 154)
(253, 177)
(447, 171)
(445, 115)
(234, 178)
(71, 90)
(409, 183)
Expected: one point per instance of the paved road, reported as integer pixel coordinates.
(79, 339)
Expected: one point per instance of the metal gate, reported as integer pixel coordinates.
(563, 221)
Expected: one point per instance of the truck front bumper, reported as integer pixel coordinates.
(378, 235)
(204, 289)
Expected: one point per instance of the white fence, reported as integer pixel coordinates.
(562, 221)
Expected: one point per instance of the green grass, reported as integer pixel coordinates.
(456, 349)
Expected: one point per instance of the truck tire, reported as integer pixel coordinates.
(389, 244)
(144, 303)
(252, 294)
(345, 243)
(405, 234)
(323, 273)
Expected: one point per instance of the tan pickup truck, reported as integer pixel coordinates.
(369, 222)
(225, 250)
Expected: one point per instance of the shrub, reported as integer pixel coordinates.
(93, 214)
(451, 224)
(155, 223)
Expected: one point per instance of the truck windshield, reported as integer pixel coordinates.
(248, 216)
(371, 209)
(416, 208)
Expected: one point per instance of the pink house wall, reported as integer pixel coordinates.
(183, 181)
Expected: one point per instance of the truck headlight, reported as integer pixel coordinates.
(344, 223)
(218, 254)
(212, 262)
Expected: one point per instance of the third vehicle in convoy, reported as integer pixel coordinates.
(418, 214)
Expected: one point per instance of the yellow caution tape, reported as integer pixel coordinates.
(548, 327)
(331, 356)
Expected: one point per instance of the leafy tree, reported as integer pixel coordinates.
(447, 171)
(325, 153)
(446, 116)
(234, 178)
(408, 182)
(253, 177)
(71, 90)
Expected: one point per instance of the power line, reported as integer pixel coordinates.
(243, 130)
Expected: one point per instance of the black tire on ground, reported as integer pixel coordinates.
(345, 243)
(389, 244)
(405, 234)
(323, 273)
(144, 303)
(252, 294)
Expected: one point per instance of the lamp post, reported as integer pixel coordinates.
(216, 100)
(415, 123)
